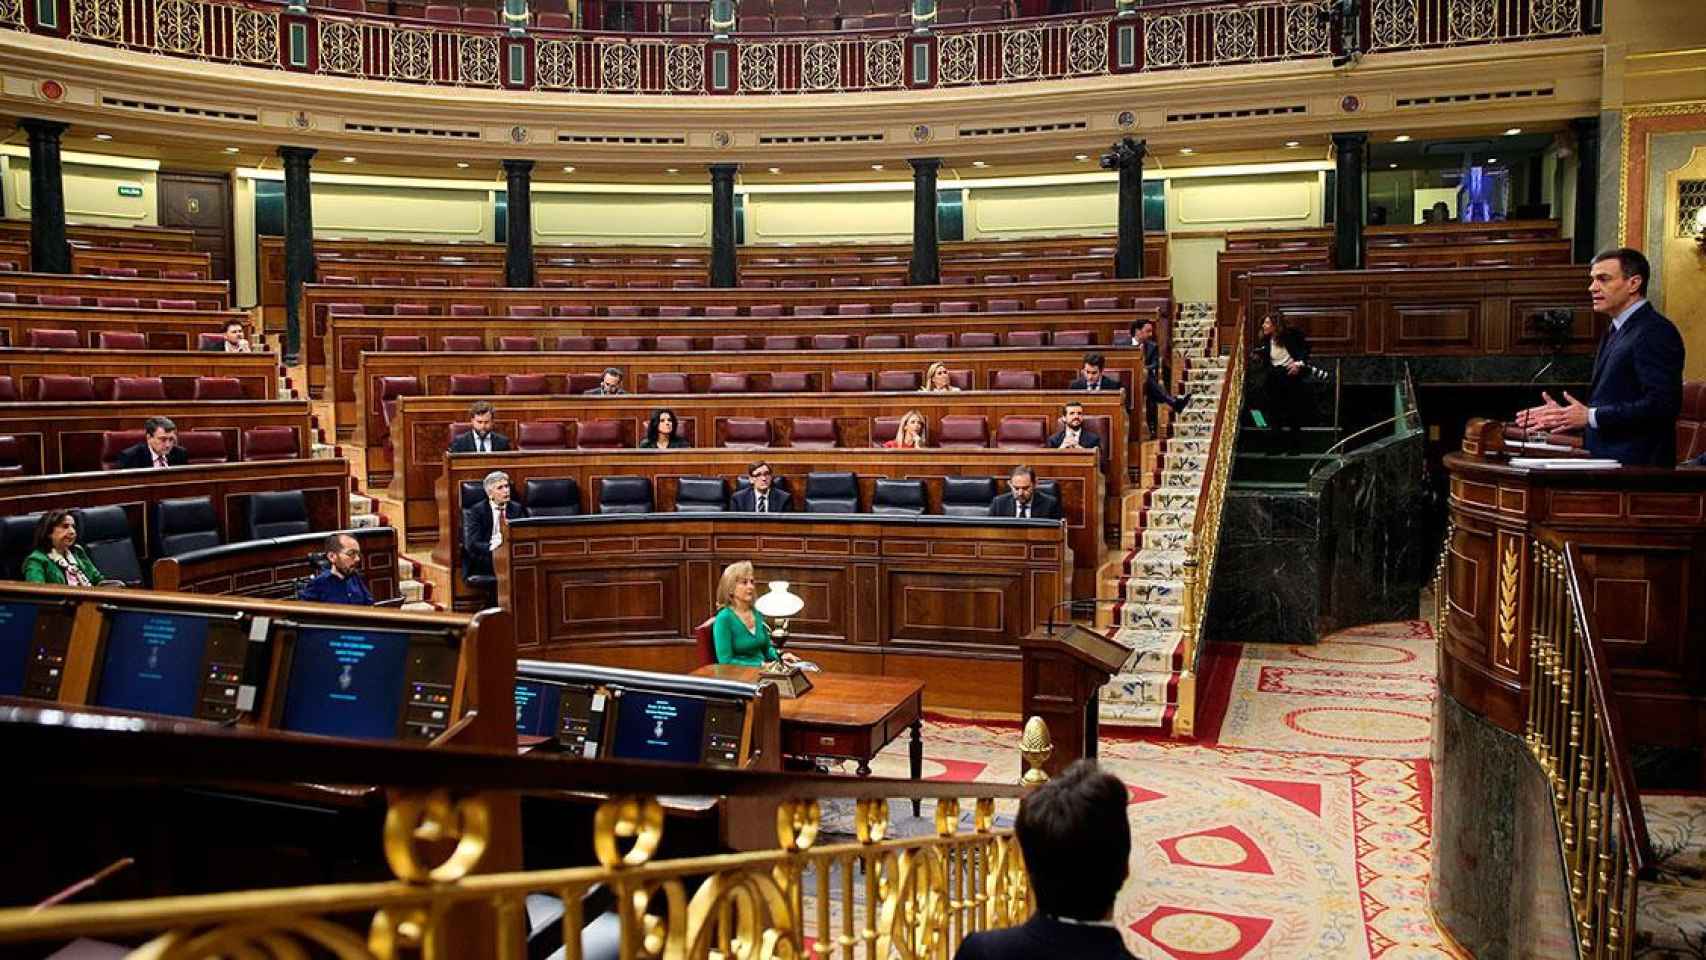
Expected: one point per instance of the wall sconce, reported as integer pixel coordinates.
(1700, 228)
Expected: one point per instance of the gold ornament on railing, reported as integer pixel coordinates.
(436, 819)
(1036, 746)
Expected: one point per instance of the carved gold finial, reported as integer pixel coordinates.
(1036, 746)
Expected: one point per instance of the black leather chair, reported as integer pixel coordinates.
(473, 491)
(277, 513)
(105, 533)
(552, 497)
(967, 496)
(700, 495)
(832, 492)
(1050, 487)
(17, 535)
(186, 524)
(625, 495)
(898, 497)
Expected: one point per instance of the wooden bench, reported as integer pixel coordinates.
(255, 373)
(164, 329)
(1490, 253)
(276, 568)
(208, 294)
(1076, 473)
(147, 263)
(938, 599)
(102, 235)
(423, 429)
(65, 438)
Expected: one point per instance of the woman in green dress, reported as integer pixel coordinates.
(56, 557)
(739, 632)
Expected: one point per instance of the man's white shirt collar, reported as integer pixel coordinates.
(1629, 311)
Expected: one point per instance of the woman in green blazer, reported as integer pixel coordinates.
(57, 558)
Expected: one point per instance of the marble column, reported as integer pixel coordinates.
(518, 238)
(1351, 154)
(1128, 156)
(1586, 130)
(724, 272)
(298, 243)
(926, 266)
(49, 251)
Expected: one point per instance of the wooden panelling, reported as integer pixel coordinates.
(165, 329)
(257, 372)
(423, 428)
(208, 294)
(97, 235)
(1077, 474)
(1435, 234)
(147, 263)
(590, 588)
(1232, 266)
(65, 438)
(276, 569)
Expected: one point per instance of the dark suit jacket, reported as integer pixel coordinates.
(139, 457)
(1637, 392)
(1087, 438)
(1043, 506)
(1045, 938)
(599, 391)
(1105, 383)
(477, 535)
(465, 442)
(1152, 360)
(745, 500)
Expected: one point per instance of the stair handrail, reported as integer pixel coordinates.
(1211, 495)
(1576, 735)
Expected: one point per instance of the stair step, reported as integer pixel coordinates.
(1165, 539)
(1159, 564)
(1150, 651)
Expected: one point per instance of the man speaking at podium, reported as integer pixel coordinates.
(1636, 391)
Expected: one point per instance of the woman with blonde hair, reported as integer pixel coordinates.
(938, 380)
(913, 434)
(738, 632)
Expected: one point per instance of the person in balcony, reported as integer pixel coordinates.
(663, 432)
(1076, 841)
(738, 632)
(912, 434)
(56, 557)
(937, 379)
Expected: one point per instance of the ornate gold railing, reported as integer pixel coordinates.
(1211, 498)
(871, 897)
(1576, 736)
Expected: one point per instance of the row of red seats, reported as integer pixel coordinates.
(734, 342)
(115, 303)
(727, 311)
(695, 283)
(65, 387)
(203, 446)
(841, 381)
(105, 339)
(12, 266)
(952, 431)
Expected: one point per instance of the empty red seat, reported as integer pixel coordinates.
(746, 432)
(203, 446)
(832, 341)
(393, 344)
(526, 384)
(931, 341)
(391, 388)
(443, 13)
(730, 383)
(1000, 278)
(7, 296)
(958, 306)
(573, 310)
(909, 306)
(625, 344)
(121, 340)
(432, 282)
(60, 386)
(849, 381)
(1041, 277)
(210, 341)
(1054, 303)
(59, 300)
(1024, 338)
(218, 388)
(543, 435)
(1021, 433)
(517, 344)
(962, 431)
(1101, 303)
(622, 310)
(854, 310)
(897, 380)
(412, 310)
(666, 383)
(672, 343)
(812, 433)
(798, 283)
(811, 310)
(482, 282)
(483, 16)
(467, 309)
(172, 303)
(843, 281)
(675, 310)
(730, 341)
(1072, 338)
(470, 384)
(1004, 305)
(978, 338)
(115, 442)
(883, 341)
(723, 311)
(957, 279)
(463, 343)
(118, 303)
(1013, 380)
(644, 283)
(8, 389)
(139, 388)
(788, 381)
(269, 443)
(554, 21)
(182, 275)
(118, 272)
(599, 435)
(526, 310)
(1090, 275)
(51, 338)
(781, 341)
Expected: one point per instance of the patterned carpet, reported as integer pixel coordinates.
(1297, 827)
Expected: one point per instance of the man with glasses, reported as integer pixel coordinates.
(341, 581)
(761, 496)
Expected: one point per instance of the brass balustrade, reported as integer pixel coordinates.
(874, 897)
(1575, 735)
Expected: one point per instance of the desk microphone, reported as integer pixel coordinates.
(1094, 603)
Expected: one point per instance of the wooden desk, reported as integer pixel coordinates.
(845, 716)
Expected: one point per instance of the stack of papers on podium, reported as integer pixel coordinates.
(1564, 463)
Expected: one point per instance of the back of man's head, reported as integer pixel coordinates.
(1076, 840)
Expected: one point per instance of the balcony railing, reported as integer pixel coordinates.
(1155, 37)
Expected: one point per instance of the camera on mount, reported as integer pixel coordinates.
(1110, 161)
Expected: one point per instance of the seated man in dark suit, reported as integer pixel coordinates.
(1023, 499)
(1092, 377)
(1636, 391)
(1076, 840)
(159, 447)
(1073, 434)
(482, 530)
(761, 496)
(610, 385)
(231, 340)
(341, 581)
(481, 439)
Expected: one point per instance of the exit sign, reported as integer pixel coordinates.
(130, 191)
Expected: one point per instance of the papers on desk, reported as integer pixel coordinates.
(1540, 446)
(1564, 463)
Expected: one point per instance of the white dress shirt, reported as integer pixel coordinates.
(497, 528)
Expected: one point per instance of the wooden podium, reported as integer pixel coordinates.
(1064, 667)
